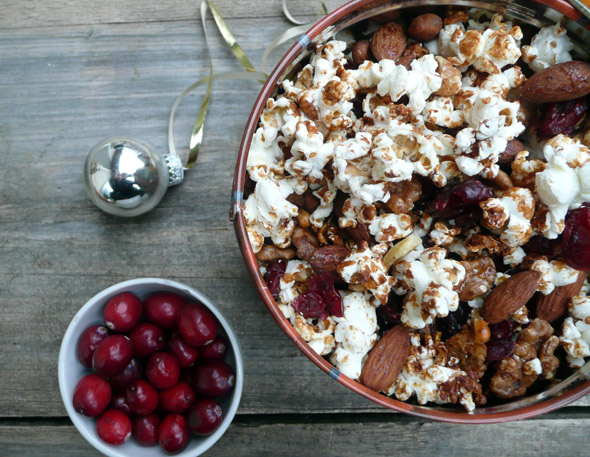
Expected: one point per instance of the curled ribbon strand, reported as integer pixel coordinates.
(249, 72)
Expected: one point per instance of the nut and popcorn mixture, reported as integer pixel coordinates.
(397, 181)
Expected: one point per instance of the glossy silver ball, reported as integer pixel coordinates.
(127, 177)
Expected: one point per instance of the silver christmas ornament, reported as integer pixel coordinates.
(127, 177)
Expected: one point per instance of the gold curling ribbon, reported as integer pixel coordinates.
(250, 72)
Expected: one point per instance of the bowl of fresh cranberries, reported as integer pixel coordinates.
(150, 366)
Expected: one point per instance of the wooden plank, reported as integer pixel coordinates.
(344, 437)
(36, 13)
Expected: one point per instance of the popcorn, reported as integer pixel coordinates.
(366, 268)
(510, 215)
(575, 334)
(515, 258)
(296, 271)
(548, 47)
(432, 283)
(310, 153)
(440, 111)
(268, 213)
(564, 183)
(554, 274)
(319, 336)
(442, 235)
(387, 165)
(488, 51)
(355, 334)
(425, 373)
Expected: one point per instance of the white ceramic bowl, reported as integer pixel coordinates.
(70, 370)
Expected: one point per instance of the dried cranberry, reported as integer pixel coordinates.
(499, 350)
(560, 117)
(274, 273)
(311, 305)
(452, 323)
(502, 330)
(576, 239)
(459, 200)
(324, 285)
(390, 314)
(539, 245)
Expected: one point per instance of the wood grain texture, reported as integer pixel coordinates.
(37, 13)
(350, 437)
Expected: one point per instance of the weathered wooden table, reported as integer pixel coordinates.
(73, 72)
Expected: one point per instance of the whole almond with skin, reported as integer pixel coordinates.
(510, 296)
(386, 359)
(564, 81)
(389, 42)
(512, 148)
(552, 306)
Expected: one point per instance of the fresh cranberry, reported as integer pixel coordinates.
(459, 200)
(162, 370)
(112, 355)
(173, 434)
(560, 117)
(89, 339)
(147, 338)
(274, 273)
(177, 398)
(162, 309)
(499, 349)
(216, 349)
(502, 330)
(92, 395)
(324, 285)
(122, 312)
(119, 402)
(184, 353)
(390, 314)
(145, 429)
(205, 416)
(576, 239)
(213, 378)
(114, 427)
(141, 397)
(133, 371)
(311, 305)
(197, 324)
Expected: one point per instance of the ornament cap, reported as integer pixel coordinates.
(175, 169)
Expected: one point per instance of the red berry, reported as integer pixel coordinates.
(560, 117)
(499, 349)
(162, 308)
(112, 355)
(576, 239)
(145, 429)
(274, 273)
(324, 285)
(147, 339)
(205, 416)
(141, 397)
(459, 200)
(173, 434)
(88, 341)
(133, 371)
(113, 427)
(216, 349)
(123, 312)
(119, 402)
(311, 305)
(185, 354)
(92, 395)
(162, 370)
(177, 398)
(213, 378)
(197, 324)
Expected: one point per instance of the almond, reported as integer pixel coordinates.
(552, 306)
(510, 296)
(512, 148)
(389, 42)
(425, 27)
(564, 81)
(386, 359)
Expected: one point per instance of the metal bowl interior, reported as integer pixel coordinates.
(534, 12)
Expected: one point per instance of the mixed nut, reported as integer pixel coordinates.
(419, 204)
